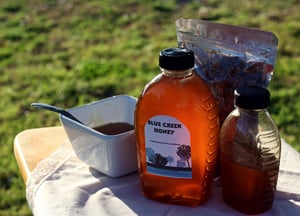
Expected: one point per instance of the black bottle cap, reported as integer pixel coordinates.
(176, 59)
(249, 97)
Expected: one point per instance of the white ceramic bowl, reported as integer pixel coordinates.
(113, 155)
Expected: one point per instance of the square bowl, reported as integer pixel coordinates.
(113, 155)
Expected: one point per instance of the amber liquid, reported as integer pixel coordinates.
(114, 128)
(190, 101)
(250, 191)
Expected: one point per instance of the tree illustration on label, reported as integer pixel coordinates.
(184, 152)
(158, 159)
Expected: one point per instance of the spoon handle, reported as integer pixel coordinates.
(55, 109)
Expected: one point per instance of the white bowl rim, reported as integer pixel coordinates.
(91, 130)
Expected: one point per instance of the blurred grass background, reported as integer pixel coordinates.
(71, 52)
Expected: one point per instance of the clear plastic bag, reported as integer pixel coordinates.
(228, 57)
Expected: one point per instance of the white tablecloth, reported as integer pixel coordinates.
(62, 185)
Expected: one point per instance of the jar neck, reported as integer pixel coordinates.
(252, 112)
(177, 73)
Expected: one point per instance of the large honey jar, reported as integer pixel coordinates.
(177, 132)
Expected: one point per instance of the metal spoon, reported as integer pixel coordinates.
(55, 109)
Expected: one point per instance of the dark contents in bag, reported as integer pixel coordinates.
(226, 73)
(228, 57)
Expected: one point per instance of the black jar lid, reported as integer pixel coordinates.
(249, 97)
(176, 59)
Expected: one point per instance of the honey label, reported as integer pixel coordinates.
(168, 148)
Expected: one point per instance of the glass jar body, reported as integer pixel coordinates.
(185, 99)
(250, 156)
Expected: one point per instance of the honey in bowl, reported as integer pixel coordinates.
(114, 128)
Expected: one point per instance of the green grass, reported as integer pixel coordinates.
(68, 53)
